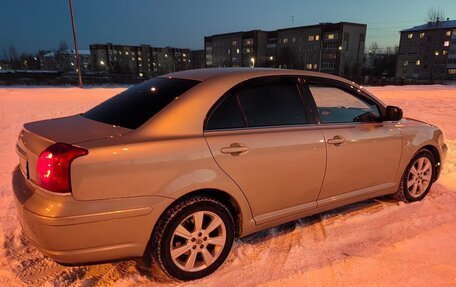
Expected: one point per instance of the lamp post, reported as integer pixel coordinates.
(78, 62)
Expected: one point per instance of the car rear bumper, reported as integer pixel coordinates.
(72, 232)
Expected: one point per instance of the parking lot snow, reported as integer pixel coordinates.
(377, 242)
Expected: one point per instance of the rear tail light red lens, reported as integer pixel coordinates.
(53, 168)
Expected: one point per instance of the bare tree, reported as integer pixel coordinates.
(14, 59)
(435, 14)
(63, 47)
(373, 48)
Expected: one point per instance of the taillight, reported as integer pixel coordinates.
(53, 168)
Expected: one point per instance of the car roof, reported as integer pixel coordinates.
(209, 73)
(185, 116)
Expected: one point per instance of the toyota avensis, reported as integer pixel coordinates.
(177, 167)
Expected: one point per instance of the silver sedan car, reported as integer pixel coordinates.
(179, 166)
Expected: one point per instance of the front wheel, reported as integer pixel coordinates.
(193, 238)
(418, 177)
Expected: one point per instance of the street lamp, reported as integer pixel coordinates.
(253, 62)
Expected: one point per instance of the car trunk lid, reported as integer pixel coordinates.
(35, 137)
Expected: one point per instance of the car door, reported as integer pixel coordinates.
(363, 153)
(260, 134)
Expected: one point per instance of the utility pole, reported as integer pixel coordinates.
(78, 62)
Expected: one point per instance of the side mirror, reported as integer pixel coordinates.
(393, 113)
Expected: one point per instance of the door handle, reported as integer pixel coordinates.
(234, 149)
(337, 140)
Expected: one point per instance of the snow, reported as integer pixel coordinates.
(378, 242)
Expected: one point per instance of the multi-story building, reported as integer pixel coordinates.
(198, 59)
(428, 52)
(335, 48)
(139, 61)
(238, 49)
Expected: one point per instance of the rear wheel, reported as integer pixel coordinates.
(418, 177)
(193, 238)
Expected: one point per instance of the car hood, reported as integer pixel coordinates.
(414, 122)
(74, 129)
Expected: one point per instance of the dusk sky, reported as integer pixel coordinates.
(32, 25)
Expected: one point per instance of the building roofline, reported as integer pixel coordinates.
(322, 25)
(448, 24)
(238, 32)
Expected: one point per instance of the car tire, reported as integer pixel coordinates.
(417, 178)
(193, 238)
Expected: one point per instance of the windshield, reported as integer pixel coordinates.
(133, 107)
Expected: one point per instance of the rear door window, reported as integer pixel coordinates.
(133, 107)
(227, 115)
(272, 101)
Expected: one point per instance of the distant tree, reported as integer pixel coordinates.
(381, 62)
(60, 55)
(62, 47)
(434, 14)
(14, 59)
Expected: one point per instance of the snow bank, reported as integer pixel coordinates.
(373, 243)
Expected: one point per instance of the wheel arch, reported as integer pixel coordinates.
(435, 152)
(220, 195)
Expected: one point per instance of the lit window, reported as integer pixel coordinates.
(436, 53)
(234, 43)
(446, 43)
(247, 50)
(418, 62)
(448, 33)
(293, 39)
(139, 58)
(285, 40)
(309, 66)
(271, 58)
(132, 53)
(102, 62)
(237, 51)
(126, 53)
(330, 36)
(422, 34)
(410, 35)
(315, 66)
(406, 63)
(166, 55)
(452, 71)
(141, 75)
(120, 52)
(317, 37)
(444, 52)
(132, 58)
(184, 55)
(311, 38)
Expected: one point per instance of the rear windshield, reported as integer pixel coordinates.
(133, 107)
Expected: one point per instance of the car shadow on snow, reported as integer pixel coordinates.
(343, 212)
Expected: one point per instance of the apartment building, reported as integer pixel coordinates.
(238, 49)
(139, 61)
(428, 52)
(335, 48)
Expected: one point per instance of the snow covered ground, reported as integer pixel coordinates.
(378, 242)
